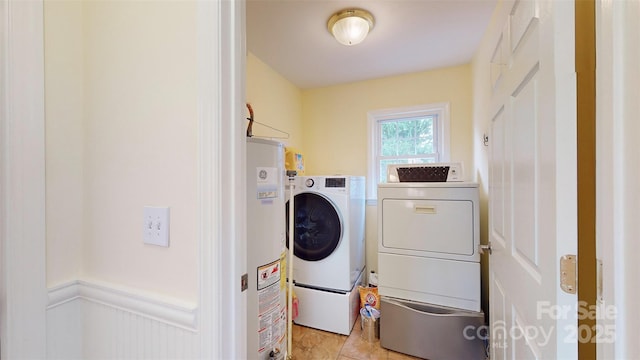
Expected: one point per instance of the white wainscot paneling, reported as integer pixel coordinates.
(95, 321)
(64, 330)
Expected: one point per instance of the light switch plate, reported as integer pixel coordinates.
(156, 226)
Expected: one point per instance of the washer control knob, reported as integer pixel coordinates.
(309, 182)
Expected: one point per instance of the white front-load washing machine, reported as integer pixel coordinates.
(329, 231)
(328, 262)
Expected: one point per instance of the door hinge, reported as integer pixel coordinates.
(244, 282)
(600, 295)
(568, 274)
(485, 249)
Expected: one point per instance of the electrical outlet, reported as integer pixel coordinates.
(156, 226)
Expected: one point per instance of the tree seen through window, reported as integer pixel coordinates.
(407, 141)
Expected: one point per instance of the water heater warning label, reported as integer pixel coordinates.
(268, 274)
(271, 314)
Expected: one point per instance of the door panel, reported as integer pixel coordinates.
(498, 166)
(527, 182)
(499, 321)
(522, 16)
(524, 120)
(522, 349)
(496, 63)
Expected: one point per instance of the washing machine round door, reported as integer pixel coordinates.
(317, 227)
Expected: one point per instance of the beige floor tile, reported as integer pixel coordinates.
(358, 348)
(313, 344)
(398, 356)
(298, 332)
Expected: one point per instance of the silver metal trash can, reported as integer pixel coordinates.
(370, 325)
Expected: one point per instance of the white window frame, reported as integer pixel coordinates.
(373, 127)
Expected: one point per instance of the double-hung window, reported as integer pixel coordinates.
(414, 135)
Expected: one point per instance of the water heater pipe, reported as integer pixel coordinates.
(292, 186)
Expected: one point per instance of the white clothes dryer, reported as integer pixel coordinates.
(428, 243)
(329, 231)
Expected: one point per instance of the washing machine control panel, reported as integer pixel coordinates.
(335, 182)
(324, 183)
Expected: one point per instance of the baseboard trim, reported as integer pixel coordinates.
(166, 310)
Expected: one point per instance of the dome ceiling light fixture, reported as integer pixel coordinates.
(350, 26)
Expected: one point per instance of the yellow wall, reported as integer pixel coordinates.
(335, 117)
(133, 143)
(329, 124)
(64, 112)
(276, 102)
(335, 125)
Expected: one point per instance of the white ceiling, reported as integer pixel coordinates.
(409, 36)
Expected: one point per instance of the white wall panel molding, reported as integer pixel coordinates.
(62, 294)
(152, 306)
(65, 335)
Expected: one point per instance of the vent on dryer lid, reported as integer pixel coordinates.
(423, 174)
(434, 172)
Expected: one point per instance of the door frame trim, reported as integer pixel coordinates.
(222, 246)
(23, 292)
(618, 173)
(585, 64)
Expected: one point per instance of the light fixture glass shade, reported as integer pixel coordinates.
(350, 27)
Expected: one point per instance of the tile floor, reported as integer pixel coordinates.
(313, 344)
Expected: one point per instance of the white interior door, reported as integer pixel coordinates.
(532, 183)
